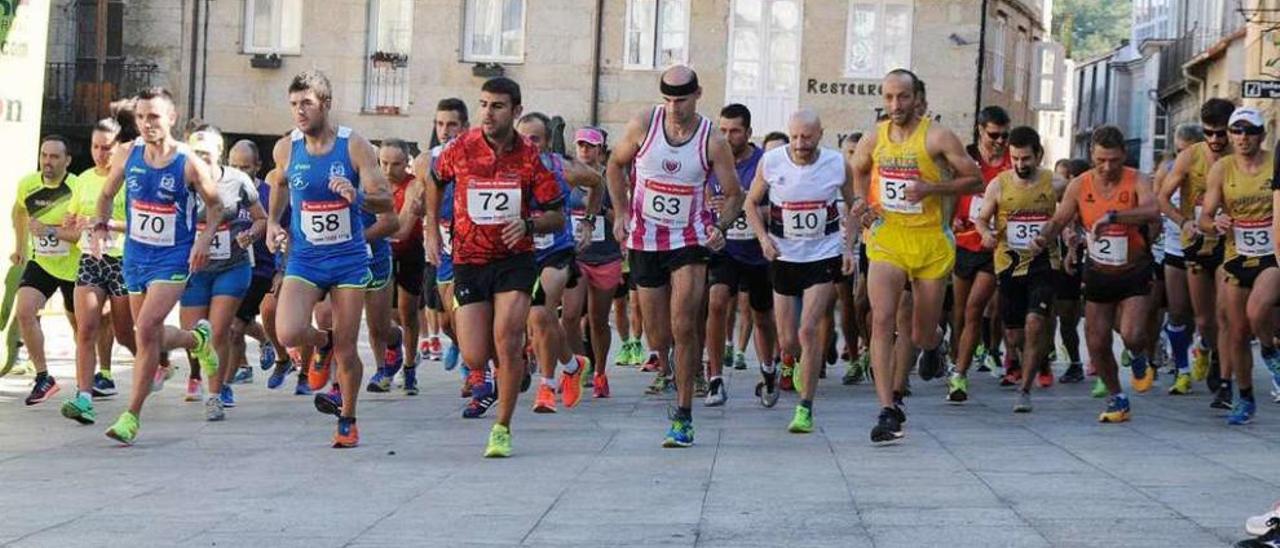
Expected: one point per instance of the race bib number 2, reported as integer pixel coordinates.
(326, 223)
(1253, 238)
(893, 197)
(493, 202)
(1111, 249)
(667, 204)
(152, 223)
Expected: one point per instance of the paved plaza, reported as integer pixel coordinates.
(596, 475)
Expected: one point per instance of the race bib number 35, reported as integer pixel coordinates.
(1021, 230)
(893, 197)
(804, 220)
(326, 223)
(1253, 238)
(667, 204)
(1111, 249)
(152, 223)
(493, 202)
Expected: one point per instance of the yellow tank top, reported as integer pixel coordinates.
(893, 166)
(1021, 214)
(1191, 193)
(1246, 198)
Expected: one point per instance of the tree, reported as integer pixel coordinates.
(1090, 27)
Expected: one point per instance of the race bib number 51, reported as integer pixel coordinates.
(893, 197)
(493, 202)
(152, 223)
(667, 204)
(326, 223)
(1253, 238)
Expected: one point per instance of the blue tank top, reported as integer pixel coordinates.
(740, 243)
(160, 210)
(446, 206)
(546, 245)
(322, 225)
(379, 248)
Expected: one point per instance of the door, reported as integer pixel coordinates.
(764, 60)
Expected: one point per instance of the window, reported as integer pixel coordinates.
(764, 60)
(273, 26)
(1020, 67)
(387, 66)
(657, 34)
(1049, 73)
(494, 31)
(877, 37)
(997, 52)
(87, 30)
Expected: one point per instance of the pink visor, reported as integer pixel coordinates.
(589, 135)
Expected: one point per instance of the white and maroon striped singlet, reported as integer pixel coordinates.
(668, 202)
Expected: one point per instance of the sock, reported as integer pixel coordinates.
(570, 367)
(1224, 384)
(42, 375)
(685, 413)
(807, 404)
(106, 374)
(84, 395)
(1246, 393)
(768, 367)
(1179, 345)
(549, 381)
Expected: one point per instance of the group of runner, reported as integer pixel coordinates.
(697, 239)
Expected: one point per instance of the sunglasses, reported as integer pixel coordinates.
(1215, 133)
(1247, 130)
(998, 136)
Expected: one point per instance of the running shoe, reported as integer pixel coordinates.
(410, 381)
(700, 388)
(195, 390)
(103, 386)
(888, 428)
(213, 409)
(1126, 358)
(767, 388)
(1222, 397)
(266, 355)
(45, 387)
(739, 360)
(347, 435)
(1200, 357)
(661, 384)
(303, 387)
(380, 381)
(600, 385)
(980, 355)
(1117, 410)
(1143, 374)
(788, 368)
(125, 429)
(244, 375)
(571, 384)
(393, 357)
(726, 359)
(203, 352)
(157, 380)
(680, 434)
(227, 396)
(801, 421)
(931, 364)
(321, 366)
(856, 371)
(1013, 377)
(435, 352)
(1273, 363)
(79, 409)
(651, 364)
(1099, 389)
(1022, 402)
(1073, 374)
(451, 356)
(1045, 378)
(1264, 523)
(329, 403)
(1242, 412)
(715, 393)
(957, 389)
(1275, 390)
(1181, 385)
(499, 442)
(483, 396)
(424, 348)
(545, 402)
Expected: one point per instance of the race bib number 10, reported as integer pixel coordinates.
(669, 205)
(153, 224)
(803, 220)
(893, 197)
(1253, 238)
(493, 202)
(326, 223)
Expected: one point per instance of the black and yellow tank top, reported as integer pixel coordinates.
(1023, 210)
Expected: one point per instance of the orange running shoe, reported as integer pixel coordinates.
(1045, 379)
(321, 366)
(601, 386)
(571, 385)
(348, 435)
(546, 400)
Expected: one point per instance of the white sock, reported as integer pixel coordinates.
(570, 367)
(548, 381)
(85, 395)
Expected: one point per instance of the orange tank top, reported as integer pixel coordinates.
(1121, 245)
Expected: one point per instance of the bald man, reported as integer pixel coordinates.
(801, 184)
(664, 220)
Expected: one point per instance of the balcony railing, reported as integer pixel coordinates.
(74, 95)
(1171, 60)
(386, 83)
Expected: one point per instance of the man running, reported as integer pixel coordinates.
(1021, 200)
(910, 240)
(1113, 203)
(741, 265)
(666, 224)
(162, 180)
(1241, 184)
(408, 266)
(47, 252)
(803, 242)
(331, 177)
(498, 180)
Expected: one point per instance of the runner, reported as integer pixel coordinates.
(331, 177)
(1241, 183)
(1178, 327)
(47, 252)
(499, 180)
(1021, 200)
(408, 268)
(741, 266)
(909, 241)
(161, 180)
(1113, 203)
(1202, 253)
(1070, 282)
(805, 247)
(554, 256)
(847, 287)
(214, 291)
(668, 228)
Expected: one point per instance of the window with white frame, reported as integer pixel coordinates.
(1048, 76)
(657, 34)
(998, 32)
(273, 26)
(877, 37)
(1020, 66)
(387, 65)
(494, 31)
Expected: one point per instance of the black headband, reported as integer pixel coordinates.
(688, 88)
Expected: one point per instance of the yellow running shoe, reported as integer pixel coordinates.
(1181, 385)
(1117, 410)
(1199, 362)
(499, 442)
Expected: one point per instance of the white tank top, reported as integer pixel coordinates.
(804, 220)
(668, 202)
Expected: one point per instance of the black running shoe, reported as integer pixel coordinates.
(932, 363)
(1073, 374)
(44, 389)
(888, 428)
(1222, 398)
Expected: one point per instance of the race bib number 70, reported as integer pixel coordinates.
(153, 224)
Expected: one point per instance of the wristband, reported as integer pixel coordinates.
(528, 227)
(100, 225)
(589, 219)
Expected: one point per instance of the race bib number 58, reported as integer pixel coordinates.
(326, 223)
(667, 204)
(152, 223)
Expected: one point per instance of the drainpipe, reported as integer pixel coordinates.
(982, 65)
(595, 63)
(204, 54)
(191, 76)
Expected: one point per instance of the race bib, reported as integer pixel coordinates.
(326, 223)
(667, 204)
(975, 208)
(1253, 238)
(446, 238)
(1111, 249)
(804, 220)
(220, 246)
(493, 202)
(739, 230)
(152, 223)
(893, 197)
(51, 246)
(543, 241)
(597, 231)
(1020, 231)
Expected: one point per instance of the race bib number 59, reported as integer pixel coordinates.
(493, 202)
(667, 204)
(152, 223)
(326, 223)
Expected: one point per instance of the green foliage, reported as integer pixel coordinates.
(1090, 27)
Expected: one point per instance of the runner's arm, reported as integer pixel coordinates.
(989, 202)
(851, 199)
(754, 200)
(1169, 184)
(432, 191)
(722, 163)
(1146, 212)
(386, 225)
(1062, 216)
(581, 176)
(410, 210)
(276, 181)
(198, 173)
(616, 172)
(110, 187)
(1212, 198)
(377, 193)
(966, 178)
(20, 229)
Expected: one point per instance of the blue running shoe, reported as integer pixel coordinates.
(411, 381)
(1242, 412)
(275, 380)
(483, 396)
(303, 389)
(244, 375)
(1272, 360)
(393, 358)
(103, 386)
(227, 396)
(380, 381)
(680, 434)
(451, 358)
(329, 403)
(266, 355)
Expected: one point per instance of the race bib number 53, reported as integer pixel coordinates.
(326, 223)
(1253, 238)
(667, 204)
(493, 202)
(152, 223)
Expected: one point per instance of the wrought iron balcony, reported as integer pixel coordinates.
(75, 95)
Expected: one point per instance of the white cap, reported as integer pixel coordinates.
(1247, 115)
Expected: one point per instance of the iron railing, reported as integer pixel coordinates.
(386, 84)
(75, 95)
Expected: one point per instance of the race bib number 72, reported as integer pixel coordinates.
(493, 202)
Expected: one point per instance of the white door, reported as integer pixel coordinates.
(764, 60)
